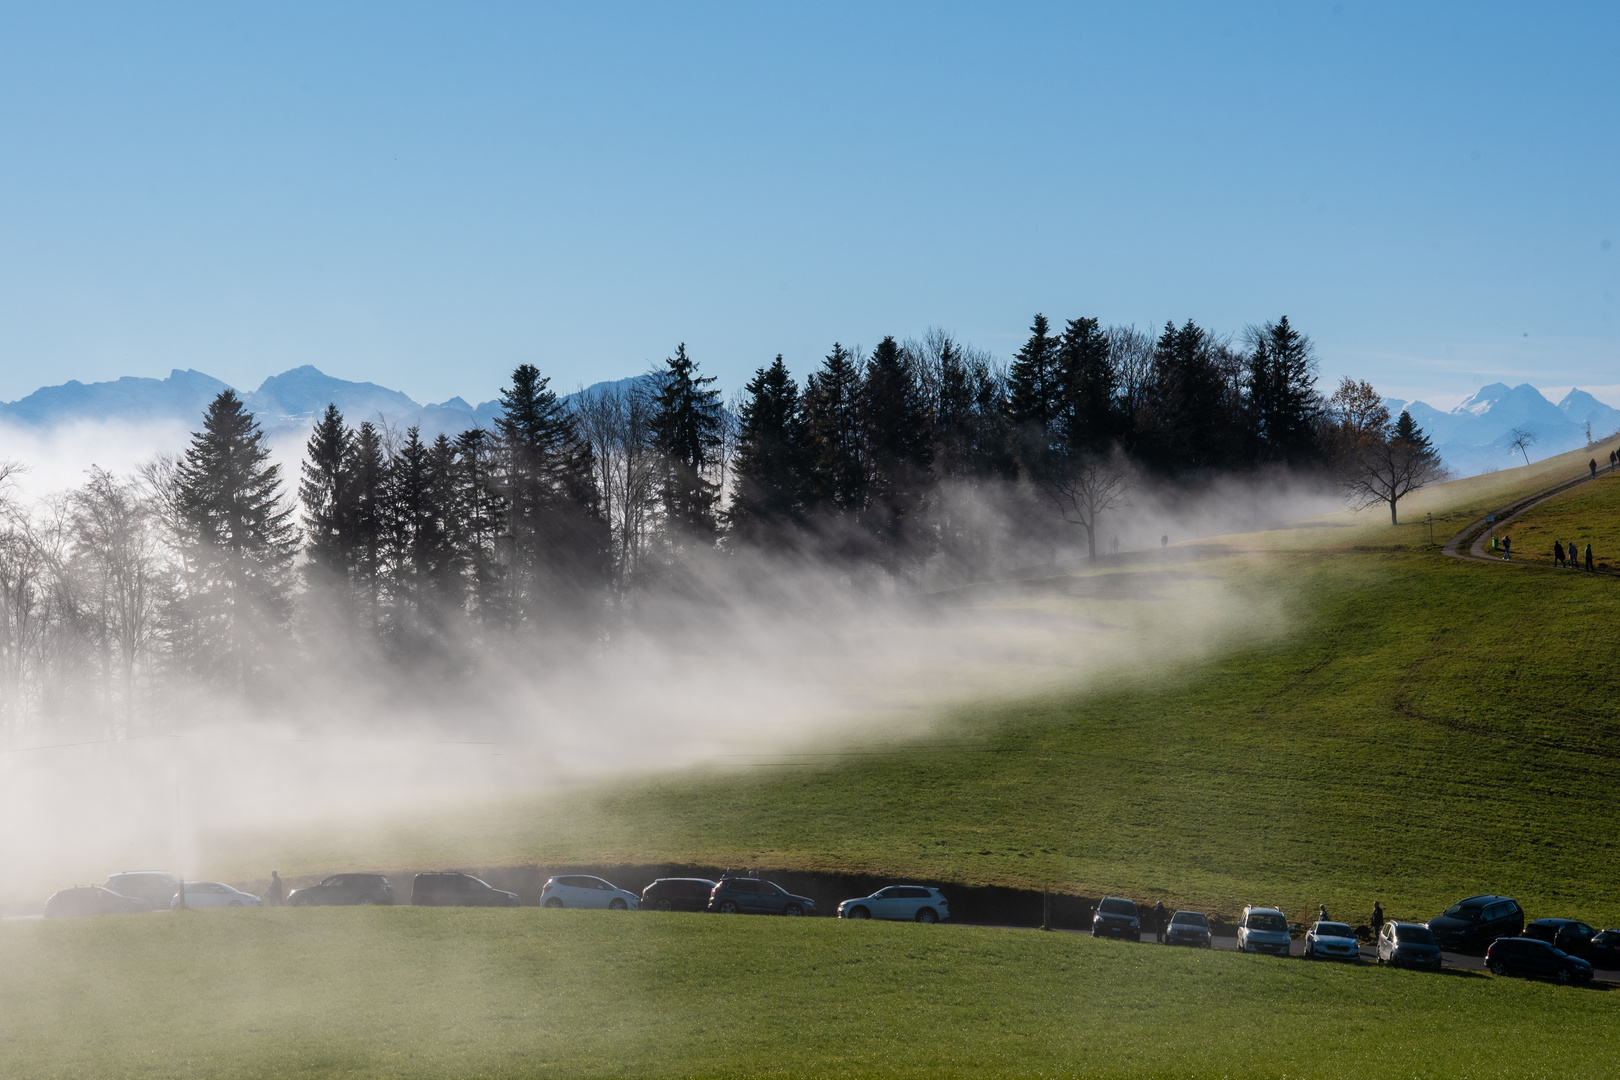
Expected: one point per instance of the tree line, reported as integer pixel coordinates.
(214, 567)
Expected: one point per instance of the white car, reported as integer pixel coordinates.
(1263, 930)
(908, 903)
(1332, 941)
(577, 890)
(201, 894)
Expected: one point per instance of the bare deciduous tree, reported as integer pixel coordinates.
(1390, 467)
(1088, 488)
(1522, 439)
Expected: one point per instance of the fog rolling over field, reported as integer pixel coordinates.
(736, 660)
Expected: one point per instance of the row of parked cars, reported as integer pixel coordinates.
(1561, 949)
(152, 890)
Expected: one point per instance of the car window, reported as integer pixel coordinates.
(775, 888)
(331, 881)
(1118, 907)
(1333, 929)
(1584, 930)
(1267, 922)
(912, 893)
(745, 886)
(1464, 910)
(1412, 934)
(1190, 917)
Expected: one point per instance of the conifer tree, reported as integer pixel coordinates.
(238, 541)
(832, 415)
(686, 431)
(367, 512)
(899, 441)
(1088, 417)
(768, 496)
(1283, 403)
(1035, 394)
(325, 492)
(480, 513)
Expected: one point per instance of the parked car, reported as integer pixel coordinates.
(1116, 917)
(1606, 949)
(92, 900)
(1407, 944)
(1571, 935)
(677, 894)
(738, 894)
(908, 903)
(438, 889)
(212, 894)
(1331, 941)
(1188, 928)
(156, 887)
(1263, 930)
(1472, 924)
(578, 890)
(343, 889)
(1536, 959)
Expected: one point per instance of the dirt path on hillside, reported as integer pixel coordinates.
(1476, 534)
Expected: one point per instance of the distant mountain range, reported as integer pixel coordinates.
(284, 402)
(1472, 438)
(1475, 436)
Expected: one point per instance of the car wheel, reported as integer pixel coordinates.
(728, 907)
(617, 905)
(858, 913)
(665, 905)
(928, 915)
(553, 902)
(1565, 975)
(367, 902)
(1498, 968)
(793, 909)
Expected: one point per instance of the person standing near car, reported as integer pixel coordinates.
(275, 893)
(1159, 915)
(1377, 920)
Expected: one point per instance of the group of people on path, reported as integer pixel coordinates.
(1572, 558)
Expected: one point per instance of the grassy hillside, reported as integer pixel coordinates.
(448, 993)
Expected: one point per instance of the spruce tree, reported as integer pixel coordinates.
(1283, 403)
(1035, 396)
(239, 543)
(686, 430)
(324, 492)
(1088, 417)
(480, 513)
(899, 442)
(768, 493)
(367, 512)
(833, 444)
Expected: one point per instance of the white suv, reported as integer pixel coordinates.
(911, 903)
(1263, 930)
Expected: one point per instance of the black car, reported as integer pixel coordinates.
(1116, 917)
(677, 894)
(344, 889)
(92, 900)
(751, 895)
(1571, 935)
(458, 890)
(1472, 924)
(1605, 949)
(1535, 959)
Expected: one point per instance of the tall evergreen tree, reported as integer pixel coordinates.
(480, 512)
(324, 493)
(238, 539)
(1187, 402)
(832, 415)
(555, 535)
(1089, 414)
(1284, 406)
(768, 496)
(686, 431)
(899, 442)
(1035, 394)
(367, 513)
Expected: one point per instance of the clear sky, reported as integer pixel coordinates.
(425, 195)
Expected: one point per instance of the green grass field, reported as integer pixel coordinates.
(455, 993)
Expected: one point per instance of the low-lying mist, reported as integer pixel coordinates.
(736, 659)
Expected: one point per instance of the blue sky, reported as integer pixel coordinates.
(427, 195)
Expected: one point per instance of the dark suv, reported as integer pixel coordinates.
(1116, 917)
(733, 894)
(1571, 935)
(677, 894)
(1537, 959)
(458, 890)
(1472, 924)
(344, 889)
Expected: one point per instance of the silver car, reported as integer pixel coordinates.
(1189, 928)
(156, 887)
(908, 903)
(1332, 941)
(583, 891)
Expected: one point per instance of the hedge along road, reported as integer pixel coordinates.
(1476, 534)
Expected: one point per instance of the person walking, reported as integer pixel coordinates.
(1613, 456)
(276, 893)
(1593, 466)
(1507, 549)
(1160, 917)
(1589, 558)
(1558, 553)
(1574, 556)
(1377, 920)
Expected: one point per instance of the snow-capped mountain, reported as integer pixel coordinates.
(1477, 435)
(282, 403)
